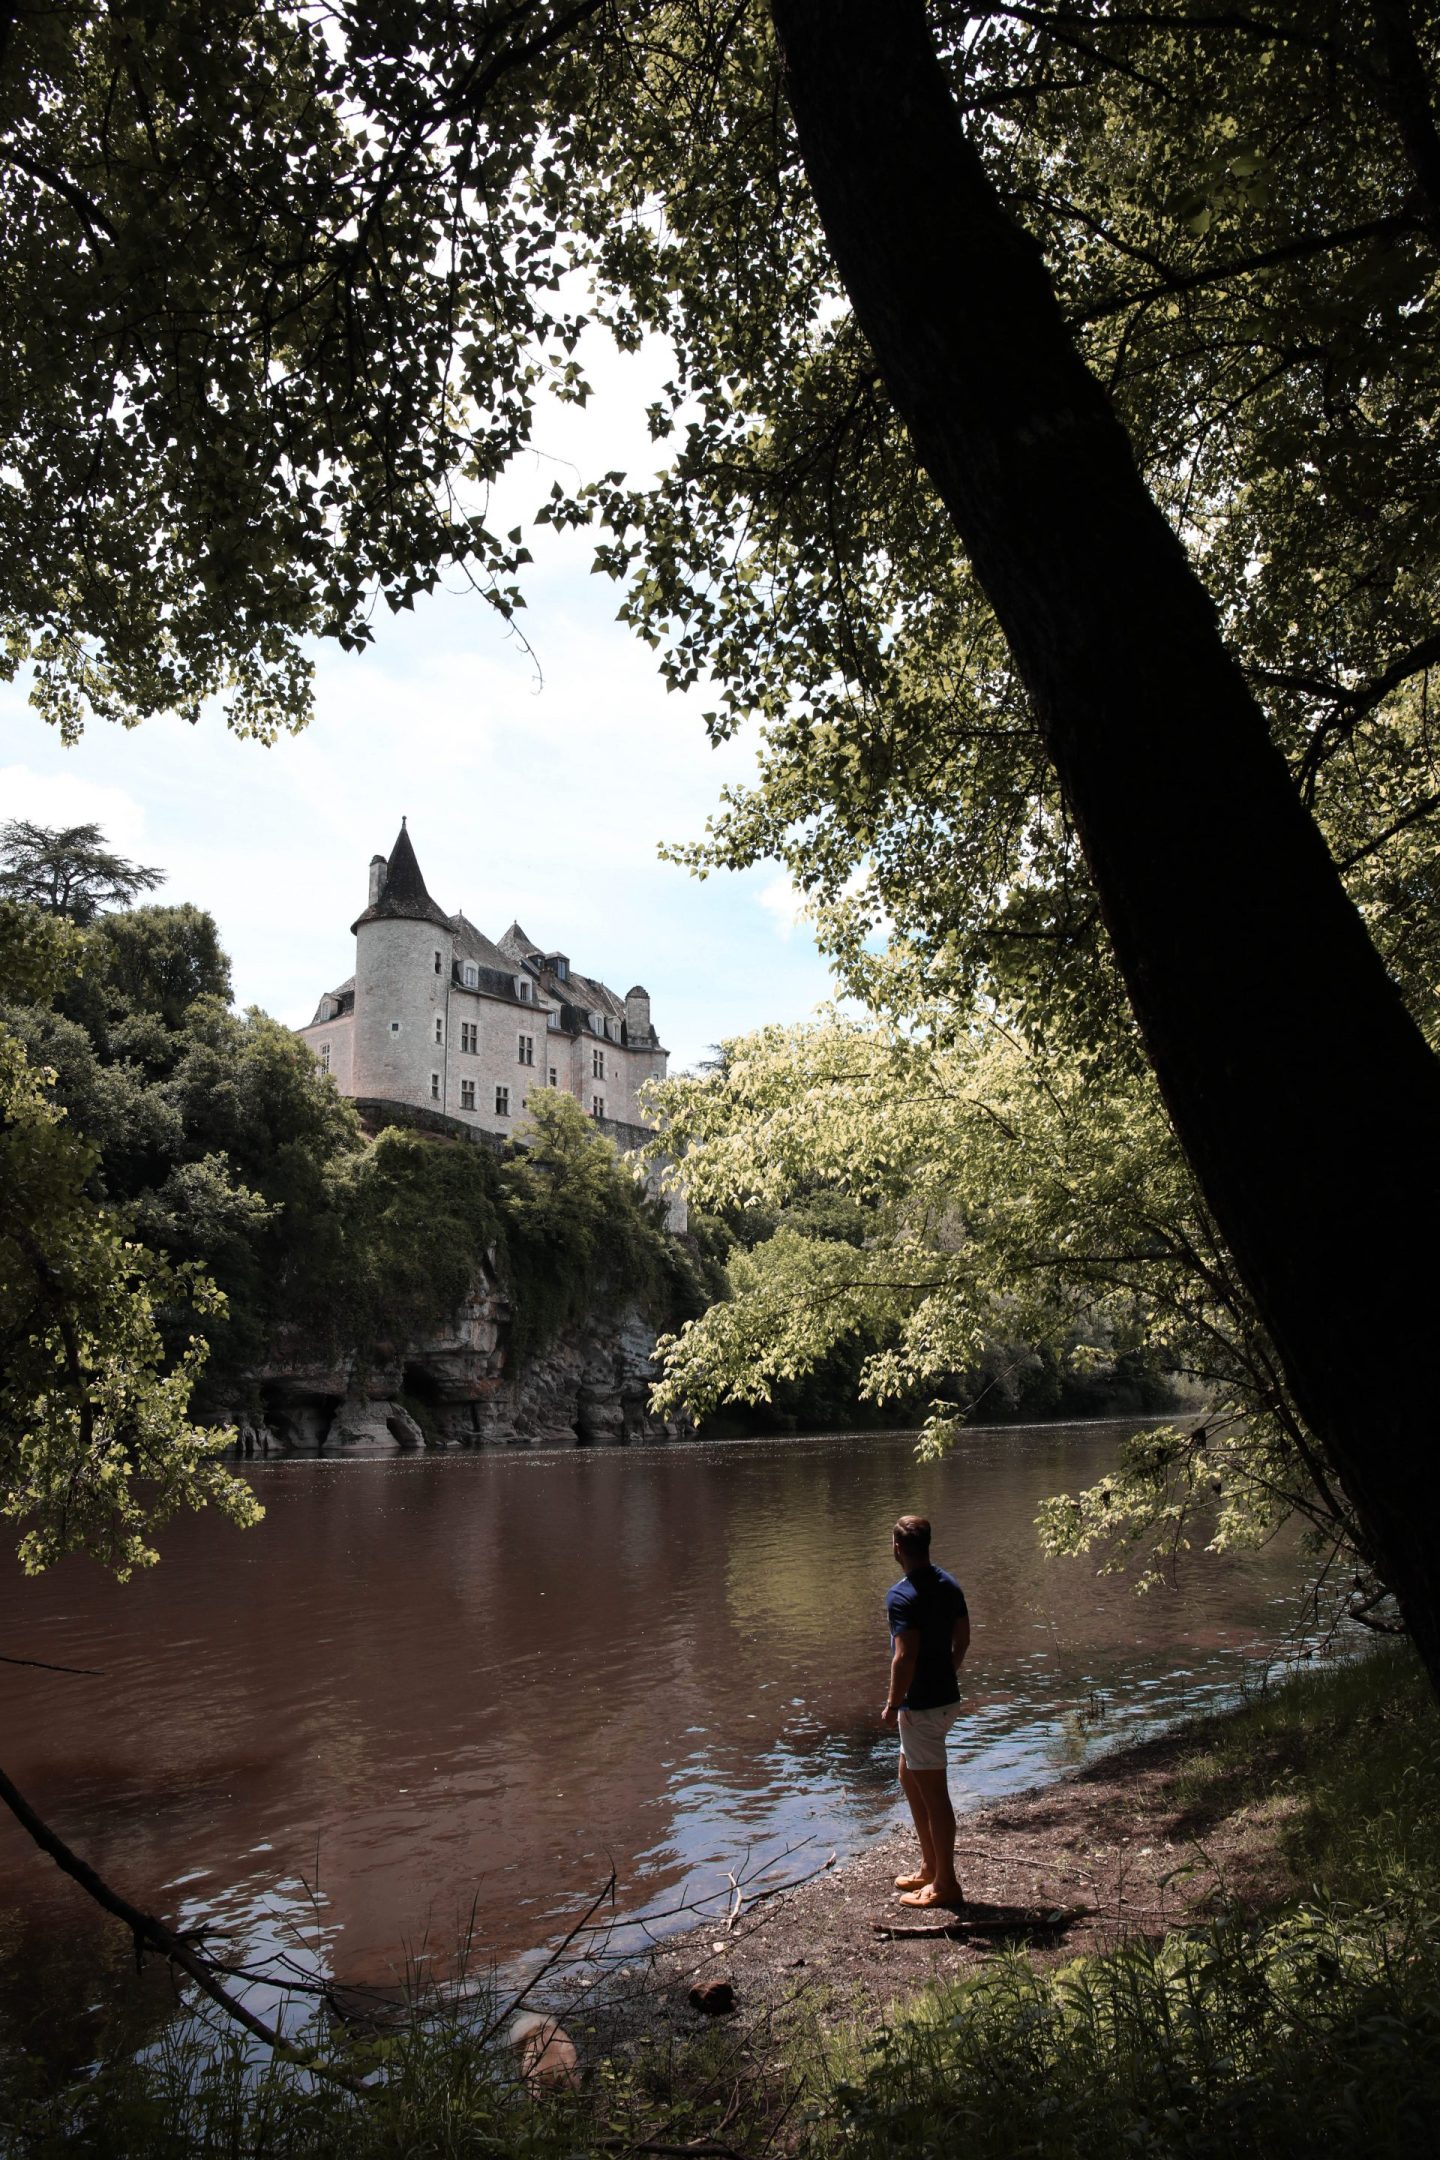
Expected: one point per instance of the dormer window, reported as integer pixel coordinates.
(523, 987)
(471, 974)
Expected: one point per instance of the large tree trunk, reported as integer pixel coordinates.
(1303, 1093)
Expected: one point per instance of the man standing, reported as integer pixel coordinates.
(930, 1634)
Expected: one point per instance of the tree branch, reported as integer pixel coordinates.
(152, 1934)
(81, 1672)
(1372, 847)
(1170, 282)
(91, 216)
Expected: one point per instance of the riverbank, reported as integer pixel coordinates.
(1224, 1940)
(1129, 1845)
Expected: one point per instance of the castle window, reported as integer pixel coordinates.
(469, 1035)
(437, 963)
(502, 1102)
(394, 1027)
(434, 1087)
(324, 1057)
(439, 1028)
(472, 975)
(597, 1064)
(554, 1077)
(527, 1049)
(467, 1094)
(597, 1106)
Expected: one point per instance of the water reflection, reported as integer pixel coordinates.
(485, 1677)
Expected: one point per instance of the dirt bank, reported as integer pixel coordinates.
(1107, 1852)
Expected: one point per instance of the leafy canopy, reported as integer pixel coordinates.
(97, 1447)
(287, 285)
(1242, 231)
(277, 301)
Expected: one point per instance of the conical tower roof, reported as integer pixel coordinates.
(403, 897)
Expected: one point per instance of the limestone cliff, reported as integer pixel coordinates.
(463, 1388)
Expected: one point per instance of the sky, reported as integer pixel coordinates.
(538, 785)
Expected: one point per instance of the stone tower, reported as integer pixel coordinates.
(404, 945)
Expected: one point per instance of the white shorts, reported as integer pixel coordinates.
(922, 1735)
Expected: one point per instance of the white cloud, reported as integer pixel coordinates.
(69, 798)
(783, 904)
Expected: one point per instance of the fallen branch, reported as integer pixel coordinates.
(758, 1897)
(1018, 1922)
(149, 1933)
(554, 1958)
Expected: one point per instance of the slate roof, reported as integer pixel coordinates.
(403, 897)
(472, 944)
(343, 998)
(586, 992)
(517, 944)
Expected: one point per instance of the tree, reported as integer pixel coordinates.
(96, 1444)
(68, 870)
(1109, 627)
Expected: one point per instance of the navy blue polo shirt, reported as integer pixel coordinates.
(932, 1601)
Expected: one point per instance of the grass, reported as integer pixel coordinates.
(439, 2092)
(1312, 2030)
(1346, 1761)
(1315, 2030)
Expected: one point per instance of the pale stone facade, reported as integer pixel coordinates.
(438, 1017)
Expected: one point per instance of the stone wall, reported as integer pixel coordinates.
(338, 1036)
(589, 1386)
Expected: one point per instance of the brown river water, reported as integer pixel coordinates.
(438, 1684)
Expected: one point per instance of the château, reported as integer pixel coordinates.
(439, 1019)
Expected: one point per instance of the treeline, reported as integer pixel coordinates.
(1009, 1380)
(221, 1145)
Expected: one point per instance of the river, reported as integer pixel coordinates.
(473, 1682)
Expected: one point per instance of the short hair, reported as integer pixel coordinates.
(912, 1533)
